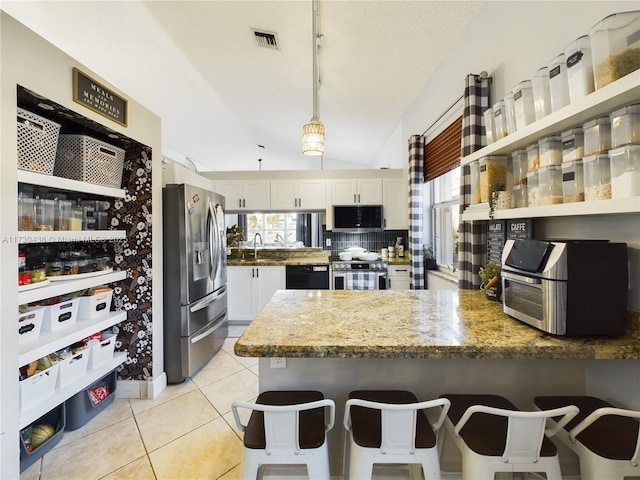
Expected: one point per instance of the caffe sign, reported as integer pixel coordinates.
(98, 98)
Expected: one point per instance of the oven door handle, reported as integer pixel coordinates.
(521, 278)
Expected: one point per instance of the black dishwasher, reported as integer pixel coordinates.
(307, 277)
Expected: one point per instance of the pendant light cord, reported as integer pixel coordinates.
(316, 66)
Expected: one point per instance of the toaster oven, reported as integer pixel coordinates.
(566, 287)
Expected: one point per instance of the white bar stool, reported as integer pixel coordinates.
(390, 427)
(286, 428)
(494, 436)
(605, 438)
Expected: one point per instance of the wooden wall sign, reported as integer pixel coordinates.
(98, 98)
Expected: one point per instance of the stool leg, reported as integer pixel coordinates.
(553, 471)
(249, 467)
(318, 468)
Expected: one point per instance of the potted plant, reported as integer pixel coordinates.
(429, 258)
(499, 198)
(235, 239)
(490, 275)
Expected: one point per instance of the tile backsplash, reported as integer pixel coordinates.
(371, 241)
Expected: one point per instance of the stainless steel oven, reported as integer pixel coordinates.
(359, 275)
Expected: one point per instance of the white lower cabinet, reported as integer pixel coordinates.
(399, 277)
(250, 288)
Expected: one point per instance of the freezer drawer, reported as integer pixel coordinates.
(198, 349)
(196, 316)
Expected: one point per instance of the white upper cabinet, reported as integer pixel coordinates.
(306, 194)
(395, 202)
(244, 194)
(348, 191)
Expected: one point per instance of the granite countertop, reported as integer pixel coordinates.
(281, 256)
(438, 324)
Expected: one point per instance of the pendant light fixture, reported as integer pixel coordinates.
(313, 132)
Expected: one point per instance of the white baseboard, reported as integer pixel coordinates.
(157, 385)
(141, 388)
(128, 389)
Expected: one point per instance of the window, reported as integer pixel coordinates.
(277, 229)
(442, 196)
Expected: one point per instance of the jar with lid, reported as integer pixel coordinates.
(500, 120)
(101, 221)
(45, 213)
(572, 181)
(625, 171)
(572, 144)
(558, 82)
(493, 175)
(523, 101)
(615, 47)
(489, 126)
(62, 214)
(541, 93)
(53, 268)
(37, 273)
(519, 166)
(597, 177)
(26, 212)
(597, 135)
(24, 278)
(519, 196)
(510, 110)
(625, 125)
(579, 68)
(75, 220)
(550, 150)
(550, 185)
(474, 168)
(532, 189)
(533, 157)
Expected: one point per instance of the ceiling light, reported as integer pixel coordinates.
(313, 132)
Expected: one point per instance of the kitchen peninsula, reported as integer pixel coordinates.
(430, 342)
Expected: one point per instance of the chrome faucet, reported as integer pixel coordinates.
(255, 245)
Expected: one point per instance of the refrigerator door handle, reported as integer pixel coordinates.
(205, 302)
(209, 331)
(212, 237)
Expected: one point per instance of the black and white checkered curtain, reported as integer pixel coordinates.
(416, 179)
(472, 238)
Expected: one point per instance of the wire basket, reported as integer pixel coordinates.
(83, 158)
(37, 142)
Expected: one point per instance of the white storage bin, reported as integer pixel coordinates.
(30, 324)
(523, 101)
(541, 93)
(61, 315)
(37, 388)
(87, 159)
(579, 68)
(625, 171)
(95, 306)
(37, 142)
(73, 368)
(102, 352)
(500, 120)
(558, 83)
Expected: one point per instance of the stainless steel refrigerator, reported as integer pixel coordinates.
(195, 278)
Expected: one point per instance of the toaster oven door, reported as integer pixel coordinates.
(536, 301)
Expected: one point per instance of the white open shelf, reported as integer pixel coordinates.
(25, 237)
(34, 178)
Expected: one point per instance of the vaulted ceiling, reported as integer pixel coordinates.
(225, 101)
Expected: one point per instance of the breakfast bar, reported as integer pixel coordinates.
(429, 342)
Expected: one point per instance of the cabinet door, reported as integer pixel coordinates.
(269, 279)
(239, 289)
(257, 195)
(344, 191)
(232, 192)
(399, 278)
(284, 194)
(370, 191)
(395, 202)
(312, 194)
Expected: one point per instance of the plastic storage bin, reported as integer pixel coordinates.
(37, 142)
(62, 214)
(532, 189)
(489, 126)
(26, 212)
(38, 387)
(30, 324)
(102, 352)
(510, 109)
(541, 93)
(597, 177)
(519, 167)
(61, 315)
(73, 368)
(500, 120)
(80, 408)
(615, 47)
(550, 150)
(597, 135)
(493, 175)
(625, 171)
(45, 213)
(625, 125)
(558, 82)
(579, 68)
(572, 182)
(80, 157)
(95, 306)
(474, 168)
(550, 185)
(55, 418)
(572, 144)
(523, 102)
(533, 157)
(519, 196)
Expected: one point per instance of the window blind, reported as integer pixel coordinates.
(442, 154)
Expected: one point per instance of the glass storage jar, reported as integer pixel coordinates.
(625, 171)
(572, 144)
(533, 157)
(615, 47)
(532, 189)
(523, 102)
(558, 82)
(45, 213)
(519, 167)
(550, 185)
(493, 175)
(625, 125)
(500, 120)
(26, 212)
(489, 126)
(550, 150)
(597, 177)
(519, 196)
(579, 68)
(597, 135)
(572, 182)
(62, 214)
(510, 109)
(75, 220)
(541, 93)
(474, 168)
(102, 221)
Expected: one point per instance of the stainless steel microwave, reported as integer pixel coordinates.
(358, 218)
